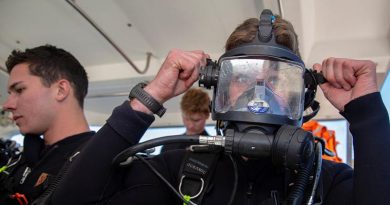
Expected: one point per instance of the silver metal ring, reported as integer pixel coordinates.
(196, 195)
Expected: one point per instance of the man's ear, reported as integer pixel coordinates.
(63, 89)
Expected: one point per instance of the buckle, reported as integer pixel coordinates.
(199, 148)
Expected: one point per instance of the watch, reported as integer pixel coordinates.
(152, 104)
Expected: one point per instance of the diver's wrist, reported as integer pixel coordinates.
(146, 99)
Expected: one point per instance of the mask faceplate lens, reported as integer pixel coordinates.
(260, 86)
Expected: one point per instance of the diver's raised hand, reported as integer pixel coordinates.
(176, 75)
(347, 79)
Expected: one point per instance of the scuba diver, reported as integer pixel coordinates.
(261, 155)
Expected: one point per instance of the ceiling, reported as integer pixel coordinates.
(332, 28)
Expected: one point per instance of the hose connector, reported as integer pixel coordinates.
(212, 140)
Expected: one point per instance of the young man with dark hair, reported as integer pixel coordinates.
(46, 87)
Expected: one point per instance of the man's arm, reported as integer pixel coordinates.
(352, 89)
(92, 178)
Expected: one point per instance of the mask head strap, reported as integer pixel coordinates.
(265, 25)
(264, 43)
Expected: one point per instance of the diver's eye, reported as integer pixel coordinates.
(241, 79)
(272, 80)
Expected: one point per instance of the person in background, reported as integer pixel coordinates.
(47, 87)
(195, 108)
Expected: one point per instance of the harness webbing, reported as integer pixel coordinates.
(196, 172)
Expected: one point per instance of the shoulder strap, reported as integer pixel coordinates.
(196, 172)
(319, 196)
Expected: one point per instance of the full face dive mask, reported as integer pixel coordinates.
(261, 90)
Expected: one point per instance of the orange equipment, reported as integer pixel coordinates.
(328, 135)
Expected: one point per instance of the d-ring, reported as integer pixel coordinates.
(196, 195)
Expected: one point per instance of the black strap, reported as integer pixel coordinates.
(265, 26)
(319, 196)
(196, 172)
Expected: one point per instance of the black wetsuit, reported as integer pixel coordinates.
(38, 166)
(94, 180)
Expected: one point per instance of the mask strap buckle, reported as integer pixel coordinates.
(265, 25)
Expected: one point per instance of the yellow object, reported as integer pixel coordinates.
(187, 198)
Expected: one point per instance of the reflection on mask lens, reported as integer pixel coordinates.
(260, 86)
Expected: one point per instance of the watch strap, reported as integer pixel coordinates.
(147, 100)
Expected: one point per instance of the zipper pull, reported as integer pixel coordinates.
(26, 172)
